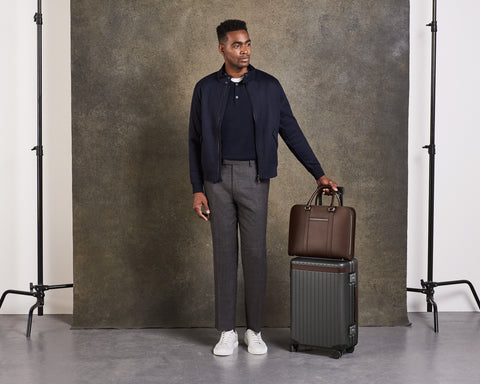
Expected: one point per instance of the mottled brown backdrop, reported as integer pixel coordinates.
(141, 257)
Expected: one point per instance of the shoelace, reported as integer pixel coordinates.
(227, 337)
(256, 337)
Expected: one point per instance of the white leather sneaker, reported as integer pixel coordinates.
(256, 345)
(227, 343)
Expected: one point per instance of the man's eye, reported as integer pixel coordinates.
(236, 46)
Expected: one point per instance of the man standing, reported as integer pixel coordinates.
(235, 118)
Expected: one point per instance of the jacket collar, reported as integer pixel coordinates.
(249, 76)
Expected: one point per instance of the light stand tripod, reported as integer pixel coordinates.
(38, 290)
(429, 285)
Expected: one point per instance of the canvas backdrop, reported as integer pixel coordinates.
(141, 257)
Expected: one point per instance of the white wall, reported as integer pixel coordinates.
(18, 126)
(457, 157)
(456, 255)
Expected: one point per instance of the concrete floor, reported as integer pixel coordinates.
(56, 354)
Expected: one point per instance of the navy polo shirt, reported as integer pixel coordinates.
(238, 131)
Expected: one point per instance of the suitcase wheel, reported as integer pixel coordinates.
(293, 347)
(350, 350)
(336, 354)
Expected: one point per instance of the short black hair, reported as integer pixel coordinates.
(230, 26)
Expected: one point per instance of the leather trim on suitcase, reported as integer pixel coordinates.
(321, 269)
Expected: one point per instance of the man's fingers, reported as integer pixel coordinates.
(198, 211)
(207, 209)
(201, 215)
(326, 181)
(200, 201)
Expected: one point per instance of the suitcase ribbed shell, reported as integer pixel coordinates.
(324, 303)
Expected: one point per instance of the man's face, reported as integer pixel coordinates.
(236, 50)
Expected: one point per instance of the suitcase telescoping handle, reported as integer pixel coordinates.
(317, 195)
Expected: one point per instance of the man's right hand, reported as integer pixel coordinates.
(199, 201)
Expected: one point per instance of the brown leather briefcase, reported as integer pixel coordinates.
(322, 231)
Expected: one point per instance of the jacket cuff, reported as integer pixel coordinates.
(318, 172)
(197, 188)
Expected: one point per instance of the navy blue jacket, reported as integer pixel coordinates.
(272, 115)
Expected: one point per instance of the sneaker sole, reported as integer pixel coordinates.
(235, 346)
(254, 352)
(257, 353)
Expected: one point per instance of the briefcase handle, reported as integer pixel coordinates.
(317, 195)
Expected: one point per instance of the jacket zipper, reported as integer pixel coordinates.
(255, 132)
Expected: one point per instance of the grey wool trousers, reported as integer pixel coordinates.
(239, 205)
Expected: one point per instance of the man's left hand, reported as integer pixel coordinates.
(324, 180)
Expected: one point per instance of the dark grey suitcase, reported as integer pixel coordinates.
(324, 304)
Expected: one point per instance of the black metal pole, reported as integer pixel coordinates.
(431, 148)
(39, 150)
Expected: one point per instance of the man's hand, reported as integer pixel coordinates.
(324, 180)
(199, 201)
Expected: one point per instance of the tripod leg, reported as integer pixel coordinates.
(474, 293)
(435, 318)
(432, 303)
(24, 293)
(429, 291)
(30, 316)
(3, 298)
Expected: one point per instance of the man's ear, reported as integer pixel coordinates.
(221, 48)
